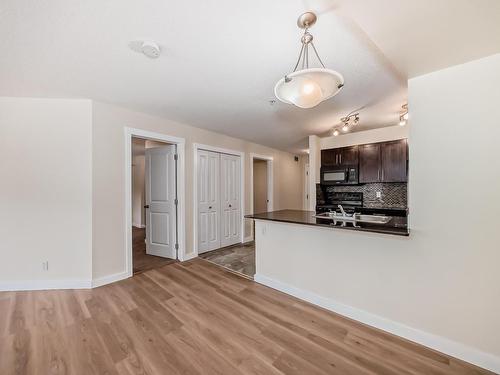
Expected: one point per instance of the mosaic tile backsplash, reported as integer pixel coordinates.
(394, 195)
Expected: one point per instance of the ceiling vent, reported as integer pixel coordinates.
(146, 47)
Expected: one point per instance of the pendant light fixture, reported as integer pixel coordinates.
(307, 87)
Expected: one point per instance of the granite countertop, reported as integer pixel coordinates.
(397, 225)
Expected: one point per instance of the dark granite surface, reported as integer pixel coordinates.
(396, 226)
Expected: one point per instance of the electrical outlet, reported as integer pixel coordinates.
(379, 194)
(45, 265)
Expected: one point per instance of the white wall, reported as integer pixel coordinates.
(45, 192)
(109, 178)
(389, 133)
(259, 185)
(444, 279)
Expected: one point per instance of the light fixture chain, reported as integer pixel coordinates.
(316, 52)
(307, 56)
(298, 60)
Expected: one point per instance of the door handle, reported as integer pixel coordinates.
(146, 206)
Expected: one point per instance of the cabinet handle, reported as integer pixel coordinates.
(209, 207)
(340, 157)
(230, 206)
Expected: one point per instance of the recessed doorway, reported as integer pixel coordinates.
(154, 216)
(154, 200)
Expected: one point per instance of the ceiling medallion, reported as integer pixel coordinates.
(307, 87)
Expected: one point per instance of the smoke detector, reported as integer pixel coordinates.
(146, 47)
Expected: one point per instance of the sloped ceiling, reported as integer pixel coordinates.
(220, 59)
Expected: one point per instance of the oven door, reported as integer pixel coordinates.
(333, 176)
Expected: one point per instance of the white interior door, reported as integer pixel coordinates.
(161, 215)
(208, 193)
(230, 199)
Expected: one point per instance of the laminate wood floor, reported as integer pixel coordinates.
(196, 318)
(140, 260)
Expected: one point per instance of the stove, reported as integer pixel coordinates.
(350, 201)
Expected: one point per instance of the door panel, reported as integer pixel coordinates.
(230, 199)
(394, 161)
(160, 198)
(349, 156)
(208, 181)
(369, 163)
(328, 158)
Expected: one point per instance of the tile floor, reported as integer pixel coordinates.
(238, 258)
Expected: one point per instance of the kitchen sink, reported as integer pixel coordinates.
(356, 218)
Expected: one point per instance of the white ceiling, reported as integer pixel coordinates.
(221, 58)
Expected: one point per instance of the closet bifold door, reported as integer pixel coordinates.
(230, 199)
(208, 181)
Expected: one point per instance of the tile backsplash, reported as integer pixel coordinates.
(393, 195)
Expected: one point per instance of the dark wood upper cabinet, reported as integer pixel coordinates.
(377, 162)
(349, 155)
(394, 156)
(369, 163)
(338, 157)
(328, 157)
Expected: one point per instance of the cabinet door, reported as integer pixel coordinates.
(369, 163)
(394, 157)
(328, 157)
(349, 155)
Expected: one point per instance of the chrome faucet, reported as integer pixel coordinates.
(342, 210)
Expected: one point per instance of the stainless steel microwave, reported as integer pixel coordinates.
(339, 176)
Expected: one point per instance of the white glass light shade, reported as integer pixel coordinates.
(309, 87)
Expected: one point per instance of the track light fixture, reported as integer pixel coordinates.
(349, 121)
(403, 117)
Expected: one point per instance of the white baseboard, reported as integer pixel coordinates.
(466, 353)
(108, 279)
(248, 239)
(188, 257)
(12, 286)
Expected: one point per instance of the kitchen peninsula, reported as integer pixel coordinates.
(396, 225)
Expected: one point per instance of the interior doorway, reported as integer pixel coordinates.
(154, 197)
(154, 200)
(261, 185)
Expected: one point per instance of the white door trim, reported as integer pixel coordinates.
(306, 187)
(270, 183)
(199, 146)
(181, 196)
(270, 180)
